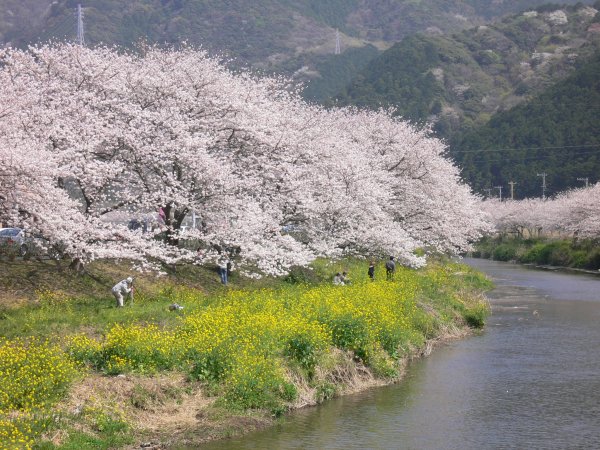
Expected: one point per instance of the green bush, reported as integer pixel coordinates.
(534, 254)
(301, 349)
(504, 252)
(258, 386)
(560, 254)
(350, 333)
(211, 367)
(579, 259)
(325, 391)
(302, 275)
(393, 341)
(475, 316)
(593, 260)
(425, 324)
(382, 364)
(579, 253)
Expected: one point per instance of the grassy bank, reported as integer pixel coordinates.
(578, 253)
(78, 373)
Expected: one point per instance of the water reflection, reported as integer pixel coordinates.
(532, 380)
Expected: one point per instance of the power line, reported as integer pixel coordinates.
(63, 29)
(532, 158)
(486, 150)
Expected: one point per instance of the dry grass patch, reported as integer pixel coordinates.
(151, 405)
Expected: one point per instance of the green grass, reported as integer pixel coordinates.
(575, 253)
(62, 303)
(110, 433)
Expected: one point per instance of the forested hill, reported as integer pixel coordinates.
(459, 81)
(442, 64)
(285, 36)
(555, 133)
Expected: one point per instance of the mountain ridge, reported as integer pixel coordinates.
(271, 35)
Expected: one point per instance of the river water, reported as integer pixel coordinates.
(530, 381)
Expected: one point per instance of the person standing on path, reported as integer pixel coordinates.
(123, 287)
(390, 268)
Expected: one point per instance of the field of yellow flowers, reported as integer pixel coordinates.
(242, 345)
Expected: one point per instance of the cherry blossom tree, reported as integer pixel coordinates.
(575, 212)
(578, 211)
(106, 133)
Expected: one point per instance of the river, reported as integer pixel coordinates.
(531, 380)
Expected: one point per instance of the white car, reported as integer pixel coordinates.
(15, 240)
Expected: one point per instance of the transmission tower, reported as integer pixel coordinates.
(80, 34)
(337, 42)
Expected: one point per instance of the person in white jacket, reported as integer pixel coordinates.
(223, 263)
(123, 287)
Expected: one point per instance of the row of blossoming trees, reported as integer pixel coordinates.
(572, 213)
(89, 133)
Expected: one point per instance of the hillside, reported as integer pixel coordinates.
(294, 37)
(555, 133)
(458, 82)
(437, 68)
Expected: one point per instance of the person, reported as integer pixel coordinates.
(161, 218)
(371, 270)
(123, 287)
(390, 268)
(345, 279)
(224, 265)
(337, 279)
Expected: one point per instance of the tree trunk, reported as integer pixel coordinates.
(77, 266)
(173, 220)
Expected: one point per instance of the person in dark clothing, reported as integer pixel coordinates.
(371, 270)
(390, 268)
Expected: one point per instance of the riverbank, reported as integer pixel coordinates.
(527, 382)
(565, 254)
(230, 361)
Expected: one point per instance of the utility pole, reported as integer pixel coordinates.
(337, 42)
(586, 179)
(489, 192)
(543, 175)
(500, 190)
(512, 189)
(80, 34)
